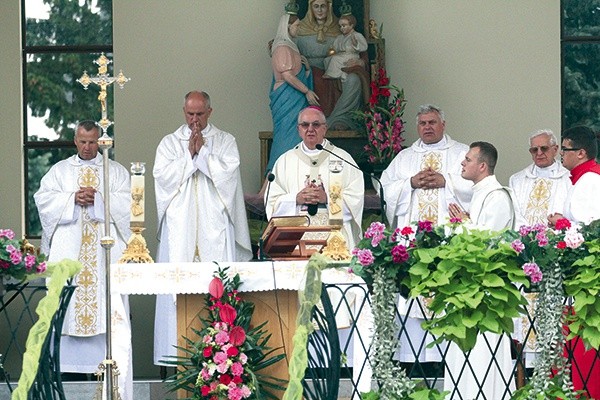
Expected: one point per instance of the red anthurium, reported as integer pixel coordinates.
(227, 313)
(215, 288)
(237, 336)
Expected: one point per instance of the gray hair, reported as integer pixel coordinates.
(547, 132)
(317, 109)
(203, 94)
(429, 108)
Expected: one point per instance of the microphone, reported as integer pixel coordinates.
(381, 198)
(261, 254)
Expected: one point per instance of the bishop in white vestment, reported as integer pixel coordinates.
(201, 210)
(306, 175)
(71, 207)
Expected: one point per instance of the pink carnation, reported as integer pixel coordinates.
(237, 369)
(220, 357)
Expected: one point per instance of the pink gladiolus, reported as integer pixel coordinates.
(215, 288)
(237, 369)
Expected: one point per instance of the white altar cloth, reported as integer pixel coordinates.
(194, 278)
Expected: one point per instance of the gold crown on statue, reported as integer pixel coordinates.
(292, 7)
(345, 9)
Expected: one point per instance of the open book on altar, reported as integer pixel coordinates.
(289, 238)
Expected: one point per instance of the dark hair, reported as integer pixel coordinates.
(87, 125)
(487, 154)
(582, 137)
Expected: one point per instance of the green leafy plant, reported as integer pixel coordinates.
(225, 361)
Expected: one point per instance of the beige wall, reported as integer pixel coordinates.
(493, 66)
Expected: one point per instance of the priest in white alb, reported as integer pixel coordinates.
(201, 210)
(539, 190)
(70, 203)
(418, 186)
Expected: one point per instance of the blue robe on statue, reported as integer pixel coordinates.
(286, 104)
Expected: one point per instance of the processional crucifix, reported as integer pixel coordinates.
(108, 366)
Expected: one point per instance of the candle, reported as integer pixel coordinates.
(137, 193)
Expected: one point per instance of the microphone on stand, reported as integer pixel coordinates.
(261, 254)
(381, 198)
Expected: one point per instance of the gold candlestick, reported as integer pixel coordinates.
(137, 251)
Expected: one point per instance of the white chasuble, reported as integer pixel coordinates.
(405, 204)
(539, 192)
(74, 232)
(297, 167)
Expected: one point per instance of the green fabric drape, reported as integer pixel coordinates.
(58, 273)
(309, 298)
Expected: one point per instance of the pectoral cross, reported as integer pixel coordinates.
(103, 80)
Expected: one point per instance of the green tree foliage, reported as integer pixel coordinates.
(581, 71)
(58, 50)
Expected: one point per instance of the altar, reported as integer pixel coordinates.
(271, 285)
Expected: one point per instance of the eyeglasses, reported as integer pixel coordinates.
(563, 149)
(314, 124)
(543, 149)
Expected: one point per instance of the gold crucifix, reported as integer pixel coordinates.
(103, 80)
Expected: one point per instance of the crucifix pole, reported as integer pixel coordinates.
(108, 366)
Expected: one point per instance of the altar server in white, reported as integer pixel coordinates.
(542, 187)
(425, 177)
(200, 202)
(70, 203)
(306, 177)
(491, 209)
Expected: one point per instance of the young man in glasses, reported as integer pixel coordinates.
(541, 188)
(310, 180)
(578, 152)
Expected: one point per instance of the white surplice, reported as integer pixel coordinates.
(405, 204)
(201, 213)
(539, 192)
(297, 166)
(73, 232)
(582, 204)
(491, 209)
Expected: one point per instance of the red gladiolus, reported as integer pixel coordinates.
(215, 288)
(237, 336)
(227, 313)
